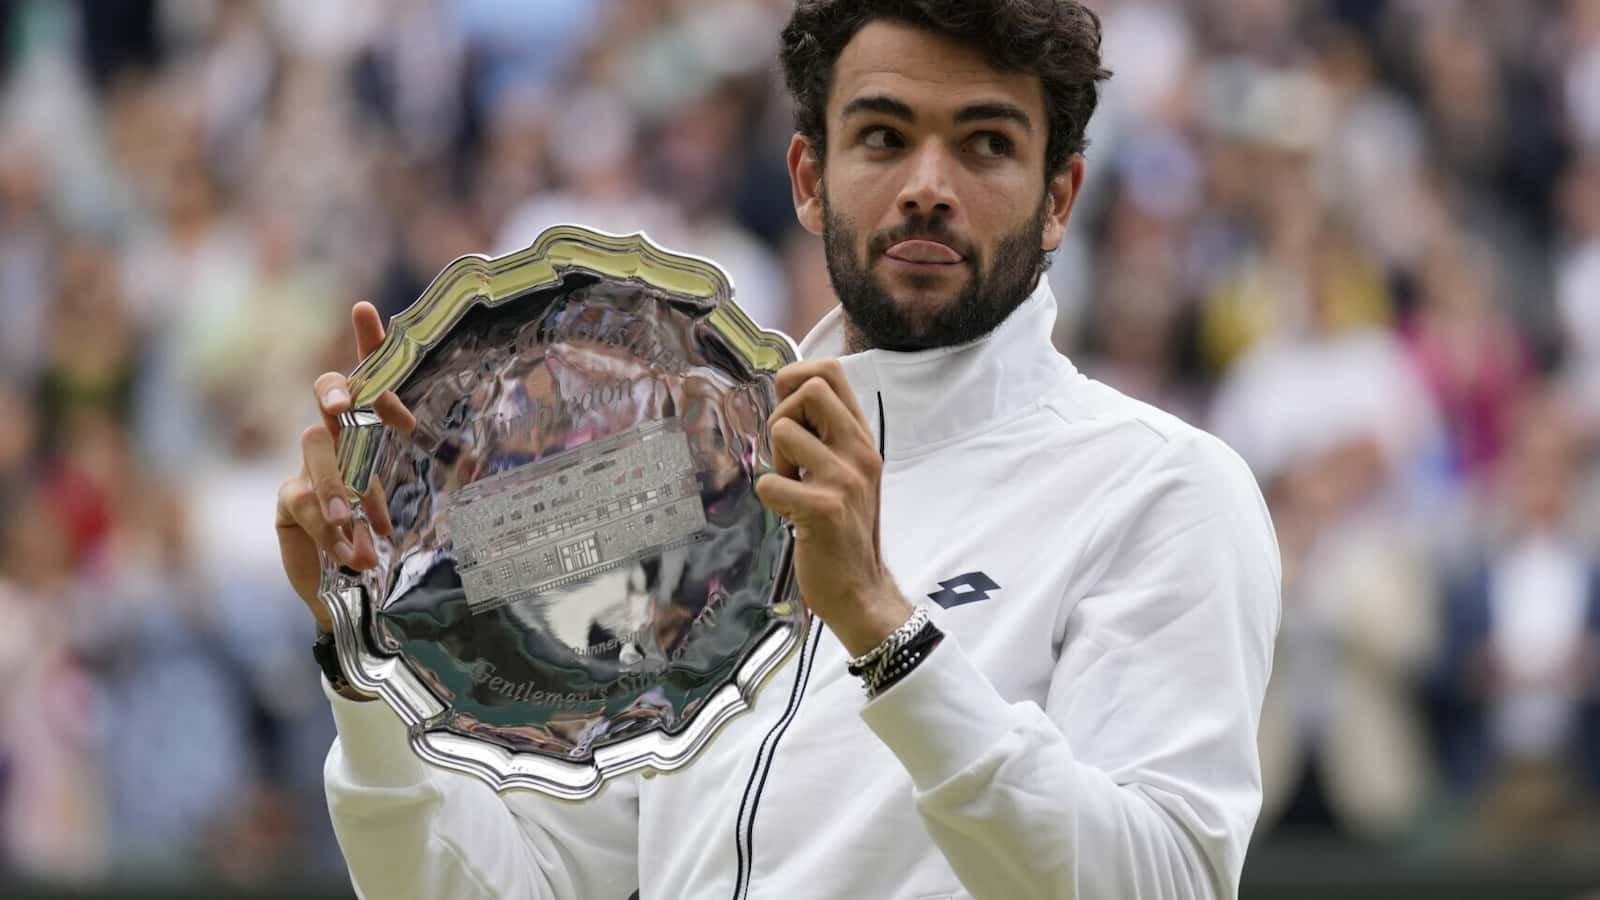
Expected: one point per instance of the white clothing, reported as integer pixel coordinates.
(1087, 729)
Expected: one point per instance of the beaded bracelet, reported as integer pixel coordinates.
(890, 669)
(860, 665)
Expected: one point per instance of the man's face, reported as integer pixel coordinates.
(932, 199)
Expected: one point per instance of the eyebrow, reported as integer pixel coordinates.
(879, 104)
(981, 112)
(976, 112)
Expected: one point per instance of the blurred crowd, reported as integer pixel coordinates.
(1358, 239)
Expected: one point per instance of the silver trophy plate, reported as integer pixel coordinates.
(581, 582)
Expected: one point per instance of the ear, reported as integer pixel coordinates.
(1063, 190)
(805, 177)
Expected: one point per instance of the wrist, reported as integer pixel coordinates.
(884, 665)
(870, 622)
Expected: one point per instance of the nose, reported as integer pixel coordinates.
(928, 187)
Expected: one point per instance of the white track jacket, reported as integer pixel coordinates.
(1108, 581)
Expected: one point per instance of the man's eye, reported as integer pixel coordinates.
(992, 146)
(879, 138)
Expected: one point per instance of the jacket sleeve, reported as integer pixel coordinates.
(1139, 778)
(411, 830)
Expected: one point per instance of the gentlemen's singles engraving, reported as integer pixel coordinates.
(559, 521)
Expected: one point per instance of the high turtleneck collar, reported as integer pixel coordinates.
(929, 397)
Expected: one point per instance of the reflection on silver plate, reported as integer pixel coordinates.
(581, 582)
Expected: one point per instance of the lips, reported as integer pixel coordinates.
(924, 252)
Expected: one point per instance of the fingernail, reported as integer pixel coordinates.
(338, 510)
(335, 397)
(343, 552)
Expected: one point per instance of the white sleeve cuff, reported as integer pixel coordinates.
(941, 717)
(374, 743)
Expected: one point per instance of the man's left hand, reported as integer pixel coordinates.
(825, 480)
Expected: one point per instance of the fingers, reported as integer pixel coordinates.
(368, 327)
(299, 508)
(333, 388)
(317, 501)
(794, 448)
(320, 447)
(322, 468)
(817, 406)
(369, 336)
(838, 469)
(799, 502)
(333, 397)
(792, 377)
(394, 414)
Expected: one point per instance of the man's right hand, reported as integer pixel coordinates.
(314, 511)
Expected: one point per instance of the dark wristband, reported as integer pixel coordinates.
(326, 651)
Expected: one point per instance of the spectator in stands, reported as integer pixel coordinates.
(1519, 679)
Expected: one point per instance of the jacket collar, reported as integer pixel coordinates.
(928, 397)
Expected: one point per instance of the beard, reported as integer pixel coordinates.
(994, 289)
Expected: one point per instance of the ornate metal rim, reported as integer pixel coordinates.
(482, 281)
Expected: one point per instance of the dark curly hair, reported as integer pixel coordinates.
(1057, 39)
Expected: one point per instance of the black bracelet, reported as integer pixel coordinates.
(326, 652)
(897, 665)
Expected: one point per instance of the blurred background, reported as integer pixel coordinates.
(1358, 239)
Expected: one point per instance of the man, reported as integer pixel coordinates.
(1078, 719)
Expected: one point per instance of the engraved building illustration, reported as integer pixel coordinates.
(558, 521)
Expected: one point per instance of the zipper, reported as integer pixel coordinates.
(744, 834)
(881, 434)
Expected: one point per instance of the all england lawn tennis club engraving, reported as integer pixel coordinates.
(556, 522)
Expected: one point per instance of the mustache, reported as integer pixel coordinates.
(920, 228)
